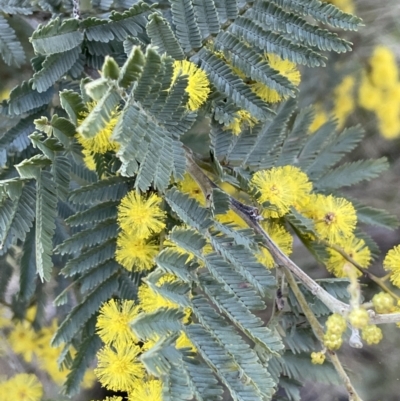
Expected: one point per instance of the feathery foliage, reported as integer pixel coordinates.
(101, 141)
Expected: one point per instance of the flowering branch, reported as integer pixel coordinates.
(379, 281)
(250, 215)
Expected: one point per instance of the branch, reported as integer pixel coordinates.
(319, 333)
(250, 215)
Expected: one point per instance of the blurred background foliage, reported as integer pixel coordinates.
(360, 87)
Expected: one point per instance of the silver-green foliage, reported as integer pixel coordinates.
(53, 208)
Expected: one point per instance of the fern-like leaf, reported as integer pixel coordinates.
(162, 322)
(24, 98)
(10, 47)
(163, 38)
(120, 26)
(61, 172)
(227, 82)
(53, 68)
(244, 262)
(73, 104)
(351, 173)
(375, 217)
(272, 42)
(240, 315)
(294, 141)
(188, 209)
(27, 279)
(202, 380)
(187, 29)
(16, 216)
(100, 115)
(16, 139)
(95, 214)
(91, 258)
(46, 210)
(98, 274)
(176, 263)
(109, 189)
(234, 282)
(81, 313)
(274, 18)
(337, 145)
(270, 138)
(252, 64)
(147, 148)
(324, 12)
(222, 363)
(244, 356)
(299, 367)
(132, 68)
(207, 17)
(85, 355)
(88, 238)
(188, 239)
(57, 36)
(227, 10)
(315, 143)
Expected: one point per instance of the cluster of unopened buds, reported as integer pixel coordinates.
(358, 319)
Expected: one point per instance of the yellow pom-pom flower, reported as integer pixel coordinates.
(384, 72)
(335, 218)
(358, 318)
(198, 87)
(150, 390)
(113, 322)
(356, 249)
(336, 324)
(371, 334)
(141, 216)
(317, 358)
(119, 368)
(369, 96)
(282, 187)
(285, 68)
(333, 341)
(134, 253)
(391, 263)
(383, 303)
(23, 340)
(23, 387)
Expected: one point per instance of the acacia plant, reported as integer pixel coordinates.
(155, 171)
